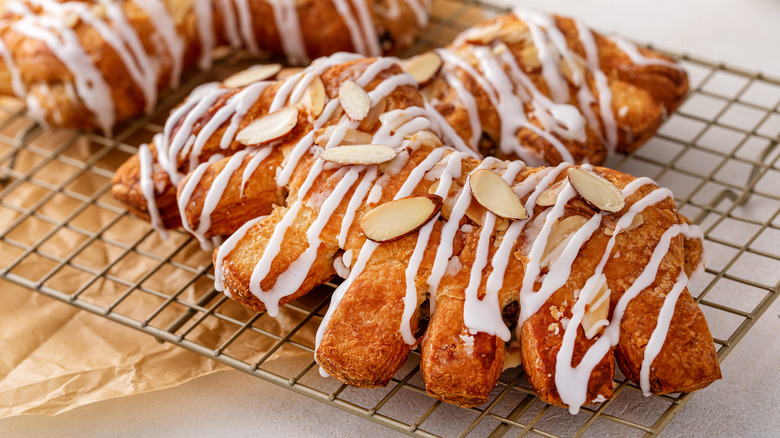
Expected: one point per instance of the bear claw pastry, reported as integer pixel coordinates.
(90, 64)
(596, 269)
(546, 89)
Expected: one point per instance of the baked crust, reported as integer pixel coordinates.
(635, 87)
(375, 315)
(65, 58)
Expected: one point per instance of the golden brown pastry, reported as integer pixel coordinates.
(597, 261)
(93, 63)
(546, 89)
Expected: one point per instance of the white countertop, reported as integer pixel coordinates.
(745, 403)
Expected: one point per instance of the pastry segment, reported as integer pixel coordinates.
(471, 266)
(91, 64)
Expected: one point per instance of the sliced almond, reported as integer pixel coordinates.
(289, 71)
(549, 195)
(514, 32)
(423, 67)
(399, 218)
(269, 127)
(372, 118)
(636, 222)
(354, 100)
(314, 97)
(595, 189)
(493, 193)
(351, 136)
(529, 56)
(596, 311)
(484, 34)
(354, 137)
(425, 138)
(251, 75)
(512, 358)
(359, 154)
(559, 234)
(70, 19)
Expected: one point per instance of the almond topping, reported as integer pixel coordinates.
(595, 189)
(423, 67)
(269, 127)
(289, 71)
(399, 218)
(597, 310)
(529, 56)
(359, 154)
(493, 193)
(425, 138)
(351, 136)
(559, 236)
(484, 34)
(371, 120)
(636, 222)
(251, 75)
(314, 97)
(354, 100)
(550, 194)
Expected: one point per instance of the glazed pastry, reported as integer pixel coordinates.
(91, 64)
(545, 89)
(596, 261)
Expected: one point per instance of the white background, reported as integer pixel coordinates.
(745, 403)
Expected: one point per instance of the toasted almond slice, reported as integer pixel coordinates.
(550, 194)
(269, 127)
(493, 193)
(597, 310)
(70, 19)
(314, 97)
(354, 100)
(595, 189)
(423, 67)
(483, 34)
(512, 358)
(251, 75)
(288, 71)
(399, 218)
(425, 138)
(559, 235)
(529, 57)
(359, 154)
(351, 136)
(636, 222)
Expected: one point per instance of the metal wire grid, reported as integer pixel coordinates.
(63, 235)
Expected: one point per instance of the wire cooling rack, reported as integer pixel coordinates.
(63, 235)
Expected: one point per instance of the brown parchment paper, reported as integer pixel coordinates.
(56, 357)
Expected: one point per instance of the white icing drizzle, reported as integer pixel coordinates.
(16, 80)
(289, 29)
(166, 28)
(90, 83)
(602, 85)
(231, 26)
(638, 58)
(257, 157)
(246, 26)
(484, 315)
(205, 26)
(368, 28)
(445, 249)
(658, 337)
(214, 195)
(226, 248)
(452, 168)
(147, 188)
(420, 11)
